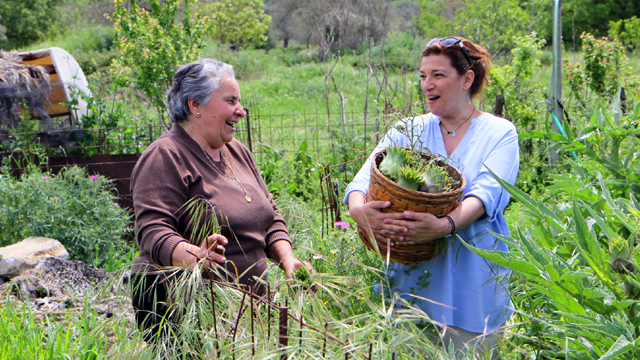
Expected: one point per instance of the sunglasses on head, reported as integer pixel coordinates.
(450, 41)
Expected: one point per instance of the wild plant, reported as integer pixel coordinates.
(73, 207)
(627, 31)
(314, 315)
(603, 70)
(518, 84)
(607, 142)
(576, 276)
(295, 174)
(153, 43)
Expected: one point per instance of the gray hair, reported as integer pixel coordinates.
(195, 81)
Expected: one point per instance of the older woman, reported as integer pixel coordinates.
(199, 158)
(467, 294)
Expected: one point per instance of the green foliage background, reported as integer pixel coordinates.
(79, 210)
(26, 21)
(574, 215)
(240, 23)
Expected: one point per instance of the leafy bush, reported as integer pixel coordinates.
(292, 56)
(516, 82)
(577, 278)
(26, 21)
(240, 23)
(627, 32)
(603, 70)
(401, 50)
(154, 43)
(79, 210)
(295, 175)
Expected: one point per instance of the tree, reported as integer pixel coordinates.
(431, 20)
(26, 21)
(626, 31)
(593, 16)
(285, 19)
(240, 23)
(578, 16)
(492, 23)
(152, 44)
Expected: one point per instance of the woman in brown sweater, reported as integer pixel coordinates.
(199, 158)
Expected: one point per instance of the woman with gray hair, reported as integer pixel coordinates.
(199, 159)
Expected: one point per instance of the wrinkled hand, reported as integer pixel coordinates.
(289, 264)
(370, 217)
(282, 253)
(416, 228)
(212, 249)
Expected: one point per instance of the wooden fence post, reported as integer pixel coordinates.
(283, 329)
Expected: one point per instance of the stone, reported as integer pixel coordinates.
(58, 278)
(24, 256)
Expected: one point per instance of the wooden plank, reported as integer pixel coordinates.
(57, 95)
(57, 109)
(41, 61)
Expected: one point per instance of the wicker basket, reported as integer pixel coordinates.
(402, 199)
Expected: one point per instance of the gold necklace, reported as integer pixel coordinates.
(224, 160)
(454, 131)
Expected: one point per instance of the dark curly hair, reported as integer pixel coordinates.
(480, 61)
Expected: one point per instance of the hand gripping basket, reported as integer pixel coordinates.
(402, 199)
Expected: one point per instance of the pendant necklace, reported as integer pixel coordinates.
(224, 161)
(453, 133)
(246, 195)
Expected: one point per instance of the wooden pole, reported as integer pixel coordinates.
(283, 329)
(253, 339)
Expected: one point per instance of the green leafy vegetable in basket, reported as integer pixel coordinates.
(410, 170)
(410, 177)
(393, 160)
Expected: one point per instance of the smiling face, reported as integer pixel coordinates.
(443, 87)
(219, 116)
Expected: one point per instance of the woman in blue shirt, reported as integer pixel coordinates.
(468, 295)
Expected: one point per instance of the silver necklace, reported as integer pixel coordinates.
(224, 161)
(454, 131)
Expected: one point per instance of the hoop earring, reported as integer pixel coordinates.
(468, 98)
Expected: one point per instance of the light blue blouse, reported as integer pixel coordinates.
(464, 290)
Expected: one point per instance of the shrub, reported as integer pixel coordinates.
(26, 21)
(79, 210)
(153, 43)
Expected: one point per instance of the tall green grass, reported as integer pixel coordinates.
(346, 317)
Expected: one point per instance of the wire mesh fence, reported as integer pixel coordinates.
(323, 133)
(283, 132)
(336, 138)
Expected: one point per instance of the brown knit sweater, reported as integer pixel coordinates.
(174, 170)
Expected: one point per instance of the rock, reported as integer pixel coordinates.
(27, 254)
(71, 286)
(58, 278)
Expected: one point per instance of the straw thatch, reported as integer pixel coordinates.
(22, 87)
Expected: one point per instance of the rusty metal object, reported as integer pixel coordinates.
(330, 193)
